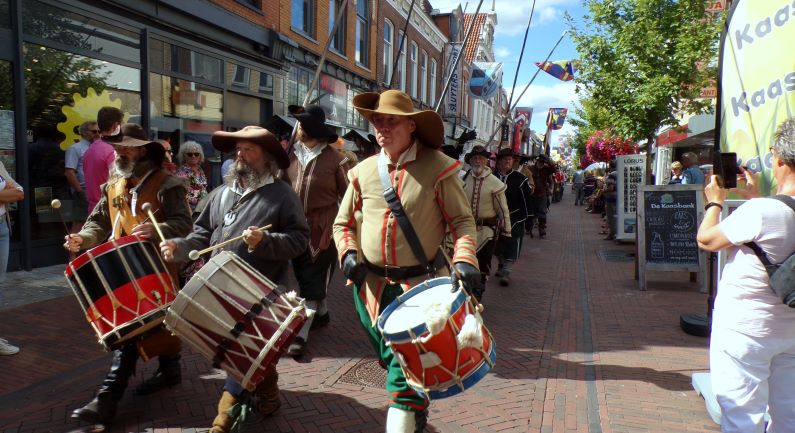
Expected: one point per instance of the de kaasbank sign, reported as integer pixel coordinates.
(757, 80)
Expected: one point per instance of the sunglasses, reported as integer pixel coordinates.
(192, 154)
(94, 131)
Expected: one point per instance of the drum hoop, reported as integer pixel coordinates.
(453, 387)
(269, 345)
(102, 249)
(402, 336)
(82, 288)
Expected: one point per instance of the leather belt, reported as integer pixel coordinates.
(396, 273)
(486, 221)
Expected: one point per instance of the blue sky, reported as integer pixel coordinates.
(547, 26)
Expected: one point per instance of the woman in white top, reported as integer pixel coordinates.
(752, 346)
(10, 192)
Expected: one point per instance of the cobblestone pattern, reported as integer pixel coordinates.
(642, 361)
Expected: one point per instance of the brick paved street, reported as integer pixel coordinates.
(580, 349)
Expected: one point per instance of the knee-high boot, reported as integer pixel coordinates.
(102, 408)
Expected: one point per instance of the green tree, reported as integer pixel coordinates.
(646, 61)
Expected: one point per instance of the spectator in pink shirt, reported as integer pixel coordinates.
(99, 157)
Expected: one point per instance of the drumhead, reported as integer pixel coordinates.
(408, 311)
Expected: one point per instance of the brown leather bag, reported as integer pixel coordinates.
(159, 342)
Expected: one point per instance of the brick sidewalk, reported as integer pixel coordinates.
(580, 349)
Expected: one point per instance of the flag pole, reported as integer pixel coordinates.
(320, 63)
(515, 76)
(458, 58)
(400, 47)
(513, 107)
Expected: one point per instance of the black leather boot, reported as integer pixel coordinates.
(103, 407)
(168, 374)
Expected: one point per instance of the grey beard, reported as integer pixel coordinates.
(125, 172)
(246, 175)
(477, 169)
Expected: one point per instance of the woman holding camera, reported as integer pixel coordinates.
(752, 350)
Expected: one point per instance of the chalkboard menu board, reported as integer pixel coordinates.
(671, 226)
(668, 217)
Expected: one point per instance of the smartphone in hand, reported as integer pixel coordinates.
(729, 169)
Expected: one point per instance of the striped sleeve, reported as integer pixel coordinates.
(348, 220)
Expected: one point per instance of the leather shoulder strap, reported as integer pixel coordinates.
(393, 201)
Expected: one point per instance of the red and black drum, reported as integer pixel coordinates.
(123, 287)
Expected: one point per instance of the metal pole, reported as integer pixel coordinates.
(515, 75)
(458, 58)
(322, 61)
(400, 47)
(511, 108)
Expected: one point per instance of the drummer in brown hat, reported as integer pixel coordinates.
(317, 173)
(376, 253)
(252, 196)
(137, 178)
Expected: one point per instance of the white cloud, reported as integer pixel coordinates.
(512, 15)
(502, 52)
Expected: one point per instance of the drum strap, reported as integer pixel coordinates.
(393, 201)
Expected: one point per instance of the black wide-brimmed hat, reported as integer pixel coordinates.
(313, 120)
(226, 141)
(477, 150)
(506, 151)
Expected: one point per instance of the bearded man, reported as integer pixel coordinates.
(138, 179)
(486, 194)
(252, 196)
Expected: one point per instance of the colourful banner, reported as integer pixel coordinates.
(521, 121)
(562, 69)
(484, 79)
(556, 118)
(757, 82)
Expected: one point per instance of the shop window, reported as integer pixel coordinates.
(388, 59)
(62, 90)
(8, 153)
(43, 21)
(167, 57)
(243, 110)
(266, 83)
(185, 110)
(338, 40)
(363, 32)
(354, 118)
(298, 81)
(5, 15)
(302, 16)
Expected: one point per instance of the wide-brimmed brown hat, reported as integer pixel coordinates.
(313, 120)
(477, 150)
(506, 151)
(128, 141)
(225, 142)
(430, 129)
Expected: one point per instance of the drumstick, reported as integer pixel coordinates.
(193, 255)
(147, 218)
(147, 207)
(478, 305)
(56, 204)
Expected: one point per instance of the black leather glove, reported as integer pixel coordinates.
(352, 269)
(470, 277)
